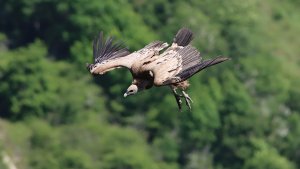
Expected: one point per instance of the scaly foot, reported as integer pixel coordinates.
(187, 99)
(177, 97)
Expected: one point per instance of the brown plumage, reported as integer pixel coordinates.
(151, 66)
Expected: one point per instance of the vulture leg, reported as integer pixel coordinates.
(188, 100)
(177, 97)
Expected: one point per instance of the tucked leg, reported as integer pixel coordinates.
(187, 99)
(177, 97)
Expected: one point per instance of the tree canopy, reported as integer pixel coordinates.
(54, 114)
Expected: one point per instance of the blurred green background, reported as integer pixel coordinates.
(55, 115)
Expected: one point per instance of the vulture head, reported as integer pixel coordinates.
(132, 89)
(89, 66)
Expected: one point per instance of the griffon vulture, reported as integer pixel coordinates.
(154, 65)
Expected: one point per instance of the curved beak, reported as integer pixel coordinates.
(125, 94)
(89, 66)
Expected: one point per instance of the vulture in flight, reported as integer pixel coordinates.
(157, 64)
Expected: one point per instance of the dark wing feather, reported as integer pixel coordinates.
(173, 63)
(190, 57)
(187, 64)
(105, 50)
(183, 37)
(190, 71)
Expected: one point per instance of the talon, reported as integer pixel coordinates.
(177, 97)
(188, 100)
(187, 96)
(179, 102)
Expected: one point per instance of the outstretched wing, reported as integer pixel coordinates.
(177, 66)
(107, 50)
(109, 55)
(188, 72)
(173, 62)
(183, 37)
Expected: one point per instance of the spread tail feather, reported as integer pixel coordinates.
(183, 37)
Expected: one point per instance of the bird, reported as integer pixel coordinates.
(157, 64)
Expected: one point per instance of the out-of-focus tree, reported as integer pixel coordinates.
(266, 157)
(86, 123)
(64, 24)
(32, 85)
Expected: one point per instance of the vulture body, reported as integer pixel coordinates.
(157, 64)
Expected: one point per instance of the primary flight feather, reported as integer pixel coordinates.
(151, 66)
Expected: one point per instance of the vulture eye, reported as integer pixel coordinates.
(130, 91)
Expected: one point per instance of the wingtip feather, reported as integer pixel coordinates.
(187, 73)
(107, 49)
(183, 37)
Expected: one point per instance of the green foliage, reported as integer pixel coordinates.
(81, 22)
(42, 136)
(76, 160)
(28, 87)
(166, 148)
(198, 126)
(267, 158)
(34, 85)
